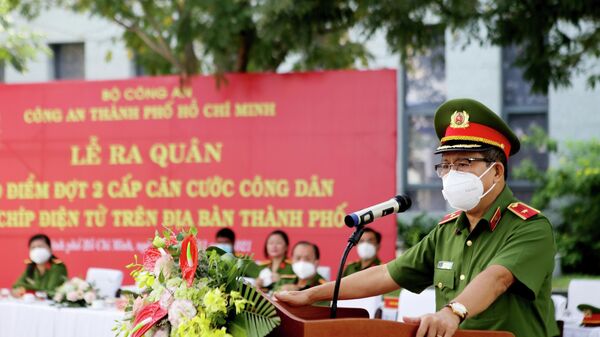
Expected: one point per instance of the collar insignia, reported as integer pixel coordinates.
(448, 217)
(523, 211)
(495, 219)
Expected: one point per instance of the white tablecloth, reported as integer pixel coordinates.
(579, 331)
(19, 319)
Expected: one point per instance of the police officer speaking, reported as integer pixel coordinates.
(490, 261)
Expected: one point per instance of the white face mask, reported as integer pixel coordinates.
(366, 250)
(463, 190)
(227, 247)
(304, 269)
(40, 255)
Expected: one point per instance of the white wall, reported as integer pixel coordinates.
(575, 112)
(474, 72)
(98, 36)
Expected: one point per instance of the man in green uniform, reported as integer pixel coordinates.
(491, 261)
(305, 259)
(367, 249)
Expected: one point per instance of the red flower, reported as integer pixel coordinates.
(149, 258)
(146, 318)
(188, 259)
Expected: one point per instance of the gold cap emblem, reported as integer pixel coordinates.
(459, 119)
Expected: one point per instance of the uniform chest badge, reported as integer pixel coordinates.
(459, 119)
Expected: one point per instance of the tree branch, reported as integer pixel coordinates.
(165, 53)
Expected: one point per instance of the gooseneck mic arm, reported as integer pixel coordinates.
(352, 241)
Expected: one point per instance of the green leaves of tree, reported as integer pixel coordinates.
(569, 194)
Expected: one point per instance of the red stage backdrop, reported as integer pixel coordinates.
(100, 166)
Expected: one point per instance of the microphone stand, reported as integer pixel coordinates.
(352, 241)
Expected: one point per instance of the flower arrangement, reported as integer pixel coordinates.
(75, 293)
(193, 292)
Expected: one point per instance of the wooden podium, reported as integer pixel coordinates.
(313, 321)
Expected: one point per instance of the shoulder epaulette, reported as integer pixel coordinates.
(449, 217)
(263, 263)
(57, 261)
(522, 210)
(287, 276)
(288, 261)
(27, 261)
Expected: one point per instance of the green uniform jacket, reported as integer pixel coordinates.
(54, 276)
(293, 279)
(510, 234)
(284, 270)
(356, 267)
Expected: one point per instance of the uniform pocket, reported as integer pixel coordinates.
(443, 278)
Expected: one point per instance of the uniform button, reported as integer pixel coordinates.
(469, 243)
(462, 277)
(440, 285)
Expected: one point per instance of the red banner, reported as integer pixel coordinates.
(100, 166)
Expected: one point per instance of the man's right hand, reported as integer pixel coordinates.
(293, 298)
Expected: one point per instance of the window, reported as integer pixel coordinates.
(425, 90)
(68, 61)
(138, 69)
(522, 110)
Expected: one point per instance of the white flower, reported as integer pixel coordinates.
(89, 297)
(180, 310)
(59, 296)
(73, 296)
(164, 265)
(166, 299)
(138, 303)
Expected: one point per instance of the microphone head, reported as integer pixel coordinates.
(404, 202)
(351, 220)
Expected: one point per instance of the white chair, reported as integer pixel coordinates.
(582, 291)
(132, 288)
(560, 306)
(324, 271)
(107, 281)
(414, 305)
(371, 304)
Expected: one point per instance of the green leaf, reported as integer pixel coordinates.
(108, 56)
(258, 318)
(216, 249)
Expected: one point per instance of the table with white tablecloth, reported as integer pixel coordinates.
(40, 319)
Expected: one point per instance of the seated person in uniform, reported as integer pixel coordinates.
(44, 272)
(367, 249)
(305, 259)
(225, 239)
(276, 250)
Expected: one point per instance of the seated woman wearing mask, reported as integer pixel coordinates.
(44, 272)
(305, 259)
(367, 250)
(277, 265)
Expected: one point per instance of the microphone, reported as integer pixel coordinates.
(397, 204)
